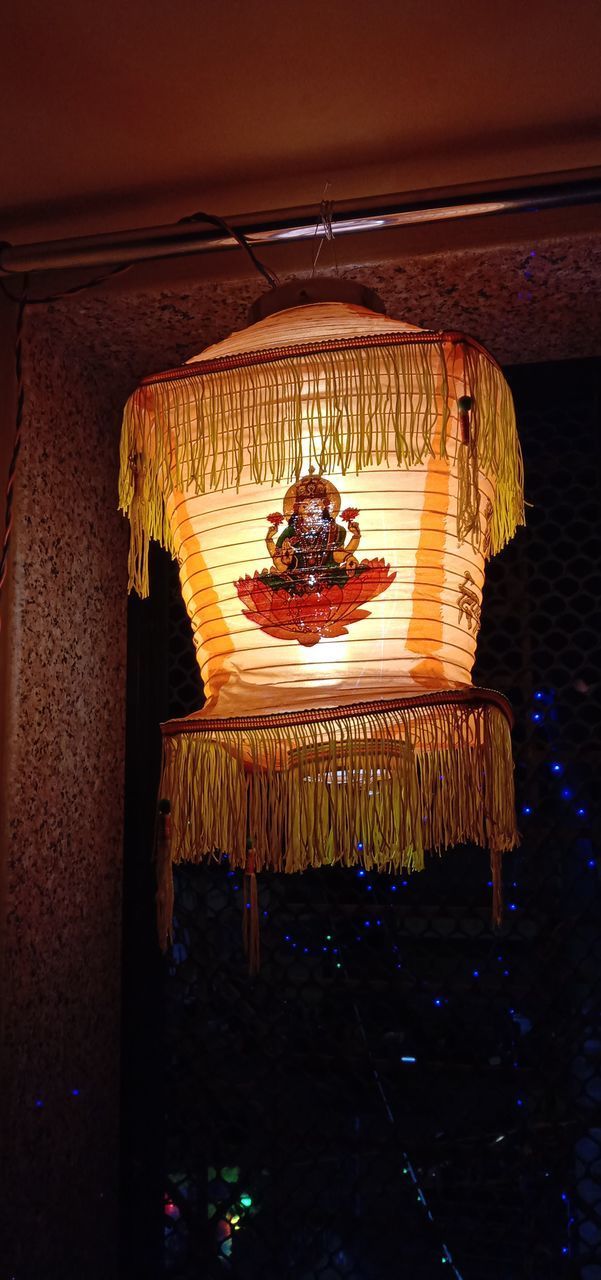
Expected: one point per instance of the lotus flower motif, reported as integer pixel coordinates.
(317, 587)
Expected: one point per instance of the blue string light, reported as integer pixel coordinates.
(556, 767)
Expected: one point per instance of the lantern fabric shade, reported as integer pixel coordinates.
(331, 482)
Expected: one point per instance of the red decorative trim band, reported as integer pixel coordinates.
(247, 360)
(454, 697)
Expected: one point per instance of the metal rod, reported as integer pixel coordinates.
(289, 225)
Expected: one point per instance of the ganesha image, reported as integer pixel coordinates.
(317, 586)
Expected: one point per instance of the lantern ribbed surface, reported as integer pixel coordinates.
(331, 482)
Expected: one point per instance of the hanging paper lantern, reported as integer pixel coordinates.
(331, 482)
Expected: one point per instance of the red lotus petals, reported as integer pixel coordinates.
(276, 519)
(349, 513)
(326, 611)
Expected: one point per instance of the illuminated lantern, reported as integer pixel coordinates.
(331, 482)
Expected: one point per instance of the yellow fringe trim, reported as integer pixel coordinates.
(203, 429)
(378, 788)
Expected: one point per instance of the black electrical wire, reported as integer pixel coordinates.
(239, 237)
(65, 293)
(12, 468)
(24, 300)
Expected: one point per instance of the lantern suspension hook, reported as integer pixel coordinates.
(324, 230)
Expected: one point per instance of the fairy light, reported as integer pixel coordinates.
(544, 715)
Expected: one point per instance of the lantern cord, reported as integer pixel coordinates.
(164, 875)
(496, 869)
(250, 918)
(239, 237)
(65, 293)
(8, 517)
(199, 216)
(24, 300)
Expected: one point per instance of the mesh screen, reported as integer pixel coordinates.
(402, 1092)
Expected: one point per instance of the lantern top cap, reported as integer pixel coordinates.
(296, 327)
(305, 293)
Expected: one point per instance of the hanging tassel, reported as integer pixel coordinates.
(250, 918)
(468, 498)
(464, 405)
(164, 874)
(496, 866)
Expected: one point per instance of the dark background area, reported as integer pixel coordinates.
(400, 1092)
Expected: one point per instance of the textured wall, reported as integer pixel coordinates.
(62, 825)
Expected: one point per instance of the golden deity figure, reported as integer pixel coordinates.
(316, 585)
(312, 549)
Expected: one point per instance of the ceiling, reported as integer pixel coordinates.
(133, 113)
